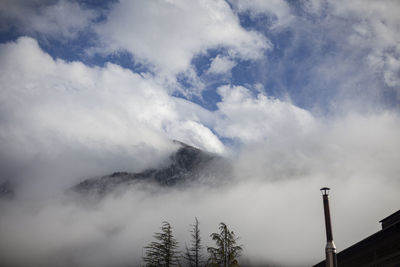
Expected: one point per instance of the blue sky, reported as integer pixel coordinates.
(297, 94)
(299, 39)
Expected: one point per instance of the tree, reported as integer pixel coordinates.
(226, 252)
(193, 254)
(162, 252)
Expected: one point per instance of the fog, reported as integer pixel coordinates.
(273, 202)
(304, 94)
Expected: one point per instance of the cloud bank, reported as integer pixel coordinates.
(98, 120)
(306, 95)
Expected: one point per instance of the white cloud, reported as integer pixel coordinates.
(277, 183)
(253, 118)
(196, 134)
(109, 117)
(167, 34)
(65, 121)
(278, 8)
(221, 65)
(62, 122)
(337, 56)
(60, 18)
(353, 154)
(376, 27)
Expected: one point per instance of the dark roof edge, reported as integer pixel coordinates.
(365, 240)
(390, 216)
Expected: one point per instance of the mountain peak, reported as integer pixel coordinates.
(185, 164)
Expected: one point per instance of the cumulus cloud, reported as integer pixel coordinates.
(168, 34)
(252, 118)
(61, 122)
(55, 19)
(279, 9)
(221, 65)
(53, 109)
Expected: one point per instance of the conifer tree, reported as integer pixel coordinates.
(227, 251)
(162, 252)
(193, 253)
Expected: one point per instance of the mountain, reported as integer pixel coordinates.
(187, 164)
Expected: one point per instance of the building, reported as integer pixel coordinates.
(381, 249)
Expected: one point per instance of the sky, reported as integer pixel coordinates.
(297, 94)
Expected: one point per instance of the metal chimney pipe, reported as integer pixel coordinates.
(330, 249)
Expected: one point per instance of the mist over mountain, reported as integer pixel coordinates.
(185, 166)
(272, 99)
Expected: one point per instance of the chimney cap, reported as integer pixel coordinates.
(325, 191)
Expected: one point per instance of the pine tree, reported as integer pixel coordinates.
(163, 251)
(193, 254)
(226, 252)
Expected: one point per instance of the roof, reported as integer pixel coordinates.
(382, 247)
(390, 220)
(397, 213)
